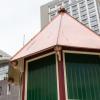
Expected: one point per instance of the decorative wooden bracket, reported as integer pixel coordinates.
(58, 52)
(14, 64)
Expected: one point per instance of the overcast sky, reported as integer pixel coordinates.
(18, 17)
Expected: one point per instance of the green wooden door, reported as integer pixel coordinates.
(42, 82)
(83, 76)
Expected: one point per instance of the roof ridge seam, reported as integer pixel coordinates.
(59, 29)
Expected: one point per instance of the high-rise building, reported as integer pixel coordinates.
(85, 11)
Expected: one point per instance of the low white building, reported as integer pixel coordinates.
(8, 91)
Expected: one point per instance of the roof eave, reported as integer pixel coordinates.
(82, 49)
(50, 49)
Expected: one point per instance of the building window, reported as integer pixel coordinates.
(59, 4)
(91, 10)
(82, 3)
(97, 31)
(90, 5)
(66, 3)
(52, 15)
(92, 15)
(95, 27)
(3, 71)
(73, 1)
(52, 8)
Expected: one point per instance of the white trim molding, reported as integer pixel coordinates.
(26, 72)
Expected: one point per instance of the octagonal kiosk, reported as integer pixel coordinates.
(62, 62)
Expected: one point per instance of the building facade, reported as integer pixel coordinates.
(8, 91)
(85, 11)
(4, 65)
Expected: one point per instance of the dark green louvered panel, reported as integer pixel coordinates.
(83, 76)
(42, 83)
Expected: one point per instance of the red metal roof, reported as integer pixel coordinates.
(63, 30)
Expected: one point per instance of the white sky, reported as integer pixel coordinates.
(18, 17)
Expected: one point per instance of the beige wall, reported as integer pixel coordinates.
(98, 5)
(44, 16)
